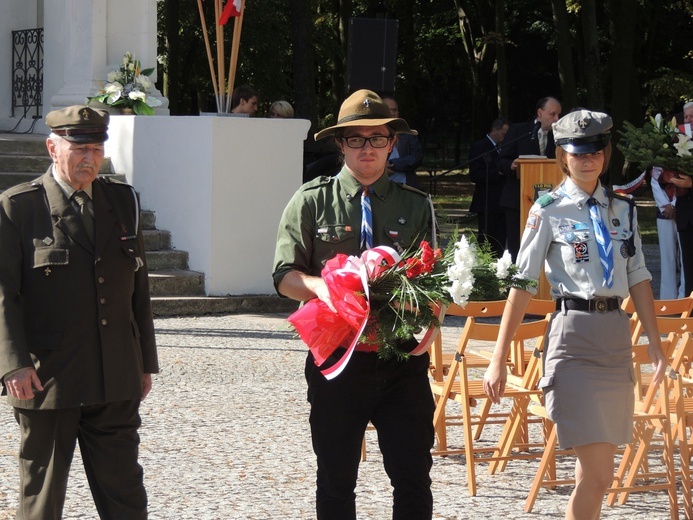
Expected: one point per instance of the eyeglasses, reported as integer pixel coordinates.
(377, 141)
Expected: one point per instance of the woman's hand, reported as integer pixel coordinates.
(494, 381)
(659, 362)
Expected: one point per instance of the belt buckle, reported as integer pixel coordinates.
(600, 305)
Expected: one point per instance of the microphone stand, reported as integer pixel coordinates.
(529, 134)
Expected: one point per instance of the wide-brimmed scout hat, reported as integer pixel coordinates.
(79, 124)
(365, 108)
(582, 131)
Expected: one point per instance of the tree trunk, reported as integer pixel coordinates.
(593, 67)
(623, 17)
(501, 62)
(564, 45)
(171, 83)
(303, 61)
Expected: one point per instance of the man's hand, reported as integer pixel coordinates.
(668, 211)
(682, 181)
(21, 383)
(146, 385)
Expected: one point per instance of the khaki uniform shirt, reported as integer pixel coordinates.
(559, 230)
(323, 218)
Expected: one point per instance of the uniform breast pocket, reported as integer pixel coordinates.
(622, 244)
(402, 238)
(50, 256)
(331, 239)
(130, 250)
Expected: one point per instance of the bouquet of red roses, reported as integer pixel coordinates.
(382, 300)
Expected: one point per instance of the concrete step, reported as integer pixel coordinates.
(170, 259)
(156, 239)
(176, 282)
(148, 219)
(23, 144)
(36, 163)
(198, 306)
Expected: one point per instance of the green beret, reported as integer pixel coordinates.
(79, 124)
(582, 131)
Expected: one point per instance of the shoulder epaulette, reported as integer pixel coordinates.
(620, 196)
(545, 200)
(114, 181)
(25, 187)
(318, 181)
(415, 190)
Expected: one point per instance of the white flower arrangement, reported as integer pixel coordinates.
(128, 87)
(475, 274)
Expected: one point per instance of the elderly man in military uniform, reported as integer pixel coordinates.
(77, 345)
(349, 213)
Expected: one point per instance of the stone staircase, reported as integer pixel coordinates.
(175, 289)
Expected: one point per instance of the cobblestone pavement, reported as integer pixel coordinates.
(225, 436)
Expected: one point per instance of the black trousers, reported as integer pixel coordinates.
(396, 397)
(109, 445)
(512, 229)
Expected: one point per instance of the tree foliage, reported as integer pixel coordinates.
(460, 63)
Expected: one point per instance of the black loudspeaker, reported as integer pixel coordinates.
(372, 54)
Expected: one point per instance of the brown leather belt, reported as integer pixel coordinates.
(593, 305)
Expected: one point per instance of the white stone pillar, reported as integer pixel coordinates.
(86, 39)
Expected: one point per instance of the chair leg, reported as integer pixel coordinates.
(512, 432)
(546, 462)
(439, 424)
(483, 416)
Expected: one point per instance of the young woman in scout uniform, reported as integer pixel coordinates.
(588, 239)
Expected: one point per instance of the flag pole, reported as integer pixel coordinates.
(222, 53)
(220, 56)
(209, 54)
(233, 62)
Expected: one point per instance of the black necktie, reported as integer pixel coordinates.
(87, 218)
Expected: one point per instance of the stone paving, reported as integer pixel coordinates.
(225, 436)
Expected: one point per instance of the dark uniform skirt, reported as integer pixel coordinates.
(588, 380)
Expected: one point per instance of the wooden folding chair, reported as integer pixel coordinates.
(680, 308)
(644, 425)
(457, 386)
(634, 465)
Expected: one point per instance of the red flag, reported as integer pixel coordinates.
(233, 8)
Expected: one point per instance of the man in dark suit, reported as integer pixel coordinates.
(407, 155)
(489, 182)
(77, 345)
(530, 138)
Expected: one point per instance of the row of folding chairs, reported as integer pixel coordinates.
(663, 417)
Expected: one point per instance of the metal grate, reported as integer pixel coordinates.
(27, 71)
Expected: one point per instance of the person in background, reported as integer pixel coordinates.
(589, 240)
(664, 192)
(530, 138)
(406, 156)
(322, 219)
(684, 212)
(281, 109)
(488, 186)
(244, 101)
(77, 346)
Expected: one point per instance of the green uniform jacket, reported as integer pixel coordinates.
(79, 313)
(323, 218)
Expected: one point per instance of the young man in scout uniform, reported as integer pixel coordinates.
(325, 218)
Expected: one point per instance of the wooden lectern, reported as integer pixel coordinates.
(538, 175)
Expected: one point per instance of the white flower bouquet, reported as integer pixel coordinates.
(128, 87)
